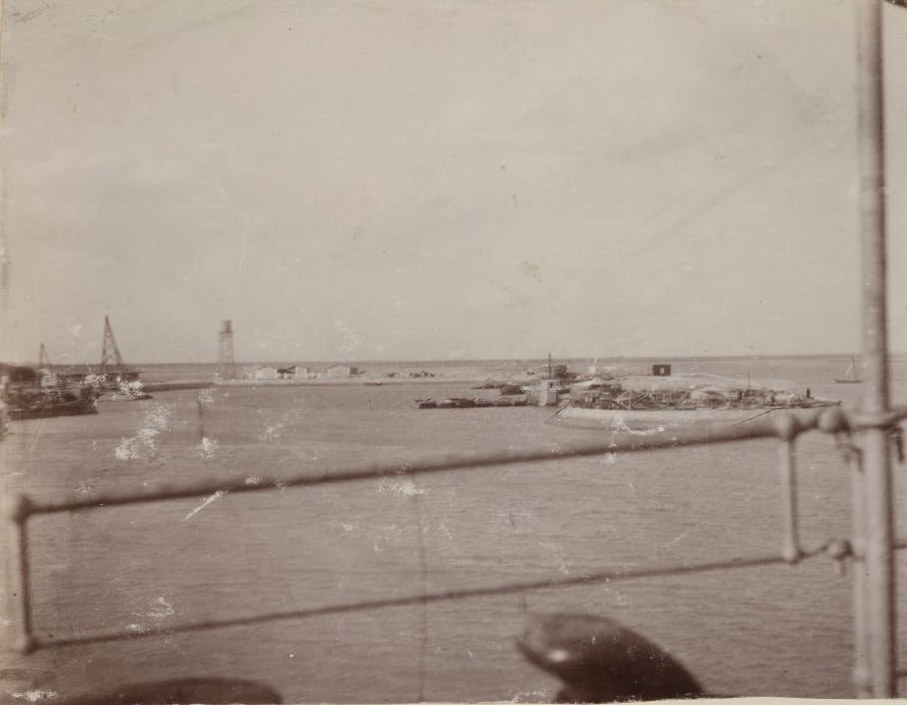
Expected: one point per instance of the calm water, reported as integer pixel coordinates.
(773, 631)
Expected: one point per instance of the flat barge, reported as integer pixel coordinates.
(467, 403)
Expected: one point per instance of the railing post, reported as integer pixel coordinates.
(787, 430)
(862, 678)
(18, 599)
(874, 437)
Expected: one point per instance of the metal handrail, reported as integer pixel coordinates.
(786, 427)
(602, 575)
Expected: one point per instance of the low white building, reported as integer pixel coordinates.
(266, 373)
(342, 371)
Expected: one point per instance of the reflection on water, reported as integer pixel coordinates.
(773, 631)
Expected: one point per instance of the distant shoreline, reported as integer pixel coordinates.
(182, 385)
(343, 381)
(612, 360)
(898, 357)
(178, 385)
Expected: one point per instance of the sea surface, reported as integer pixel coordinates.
(781, 630)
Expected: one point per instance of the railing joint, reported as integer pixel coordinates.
(840, 551)
(788, 427)
(19, 509)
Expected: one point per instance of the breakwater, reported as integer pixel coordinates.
(176, 386)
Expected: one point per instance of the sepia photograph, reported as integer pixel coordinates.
(404, 351)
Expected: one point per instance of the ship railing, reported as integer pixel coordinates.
(846, 427)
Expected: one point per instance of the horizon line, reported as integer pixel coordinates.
(603, 359)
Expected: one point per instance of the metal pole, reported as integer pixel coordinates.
(791, 542)
(879, 561)
(862, 679)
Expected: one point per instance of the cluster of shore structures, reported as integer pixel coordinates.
(301, 372)
(35, 392)
(604, 391)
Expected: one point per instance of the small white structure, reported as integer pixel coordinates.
(341, 371)
(304, 372)
(266, 373)
(547, 391)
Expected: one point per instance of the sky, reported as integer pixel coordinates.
(439, 179)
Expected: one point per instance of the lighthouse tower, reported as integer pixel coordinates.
(225, 350)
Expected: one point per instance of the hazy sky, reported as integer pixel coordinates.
(424, 179)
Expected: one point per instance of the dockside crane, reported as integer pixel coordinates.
(110, 352)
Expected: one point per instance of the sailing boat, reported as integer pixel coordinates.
(851, 374)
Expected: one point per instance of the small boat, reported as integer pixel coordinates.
(850, 374)
(45, 404)
(34, 393)
(458, 403)
(467, 403)
(651, 419)
(511, 389)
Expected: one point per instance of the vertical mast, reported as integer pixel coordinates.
(878, 560)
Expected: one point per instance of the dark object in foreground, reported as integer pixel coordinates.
(215, 691)
(600, 661)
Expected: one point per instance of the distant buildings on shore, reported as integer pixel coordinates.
(291, 372)
(228, 369)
